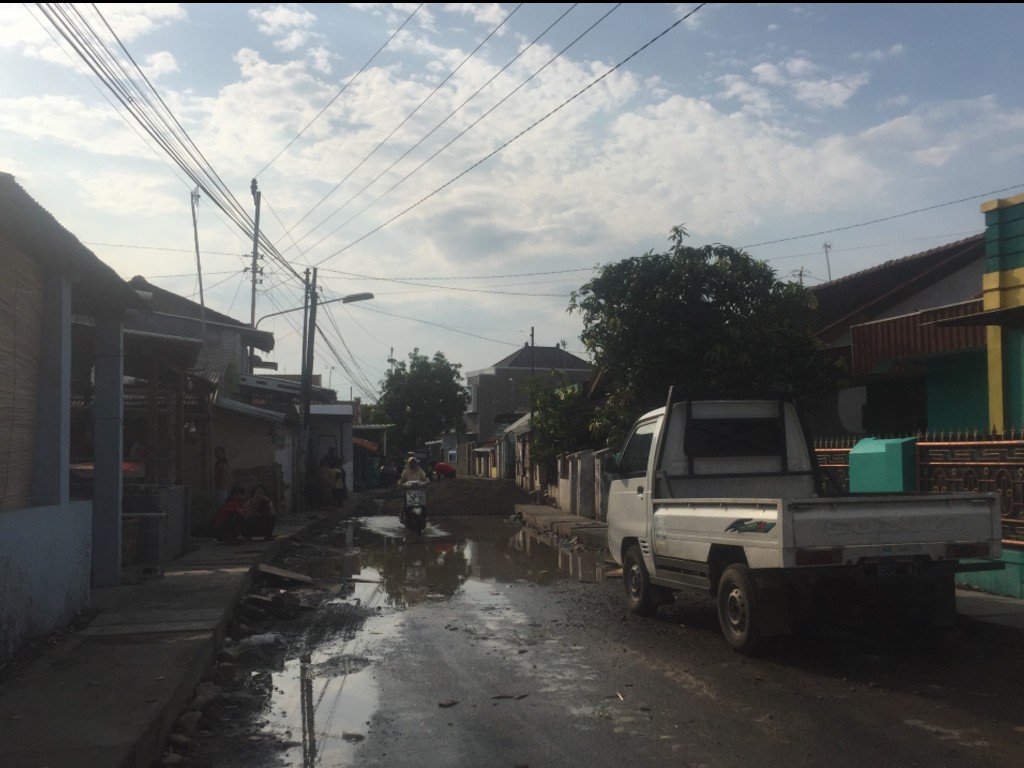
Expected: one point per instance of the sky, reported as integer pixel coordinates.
(472, 165)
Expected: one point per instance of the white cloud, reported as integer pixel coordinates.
(28, 31)
(158, 64)
(756, 100)
(483, 13)
(828, 94)
(129, 194)
(320, 59)
(878, 55)
(768, 74)
(291, 25)
(794, 76)
(68, 122)
(800, 68)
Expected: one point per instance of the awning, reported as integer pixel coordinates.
(1008, 317)
(367, 444)
(236, 406)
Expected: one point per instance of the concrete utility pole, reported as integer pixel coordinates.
(828, 265)
(307, 386)
(256, 271)
(199, 264)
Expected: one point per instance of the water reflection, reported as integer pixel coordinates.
(485, 549)
(328, 692)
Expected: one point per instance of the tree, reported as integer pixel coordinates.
(710, 321)
(423, 399)
(559, 418)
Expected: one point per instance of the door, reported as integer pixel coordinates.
(629, 490)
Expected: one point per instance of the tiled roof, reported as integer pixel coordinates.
(543, 358)
(863, 295)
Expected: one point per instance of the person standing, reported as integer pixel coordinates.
(222, 478)
(335, 464)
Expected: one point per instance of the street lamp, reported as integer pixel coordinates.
(344, 300)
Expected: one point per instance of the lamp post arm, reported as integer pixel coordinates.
(344, 300)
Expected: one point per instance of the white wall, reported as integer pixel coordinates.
(45, 567)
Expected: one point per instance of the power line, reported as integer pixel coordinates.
(144, 105)
(885, 218)
(343, 89)
(465, 130)
(438, 325)
(406, 119)
(519, 135)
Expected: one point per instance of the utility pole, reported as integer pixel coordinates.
(256, 271)
(828, 265)
(199, 264)
(307, 385)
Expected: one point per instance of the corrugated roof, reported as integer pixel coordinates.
(98, 291)
(163, 302)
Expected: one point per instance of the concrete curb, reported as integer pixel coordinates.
(592, 533)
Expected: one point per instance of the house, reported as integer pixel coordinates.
(906, 370)
(935, 349)
(53, 548)
(255, 421)
(499, 397)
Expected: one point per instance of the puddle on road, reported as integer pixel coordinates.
(323, 700)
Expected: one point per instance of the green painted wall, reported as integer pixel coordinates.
(958, 392)
(1008, 582)
(1004, 239)
(1013, 378)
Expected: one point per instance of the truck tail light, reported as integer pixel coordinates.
(831, 556)
(971, 549)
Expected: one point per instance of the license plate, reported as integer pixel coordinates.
(888, 569)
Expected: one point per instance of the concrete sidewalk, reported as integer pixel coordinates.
(979, 606)
(109, 695)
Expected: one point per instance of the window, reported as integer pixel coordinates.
(638, 449)
(717, 438)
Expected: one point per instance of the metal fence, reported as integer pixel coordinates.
(951, 463)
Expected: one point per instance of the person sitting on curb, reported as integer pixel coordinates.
(230, 524)
(259, 511)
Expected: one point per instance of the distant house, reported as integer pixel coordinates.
(498, 397)
(54, 548)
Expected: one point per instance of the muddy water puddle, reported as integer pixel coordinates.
(324, 697)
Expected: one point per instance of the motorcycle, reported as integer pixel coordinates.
(414, 510)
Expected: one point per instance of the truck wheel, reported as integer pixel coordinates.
(641, 595)
(738, 609)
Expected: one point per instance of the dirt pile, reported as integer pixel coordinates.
(462, 497)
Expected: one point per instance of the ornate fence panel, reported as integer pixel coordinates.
(993, 465)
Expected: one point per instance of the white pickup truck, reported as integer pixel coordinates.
(723, 496)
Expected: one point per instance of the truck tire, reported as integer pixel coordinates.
(738, 609)
(641, 595)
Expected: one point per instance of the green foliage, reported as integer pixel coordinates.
(560, 417)
(710, 321)
(423, 398)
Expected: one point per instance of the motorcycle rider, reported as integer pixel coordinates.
(412, 471)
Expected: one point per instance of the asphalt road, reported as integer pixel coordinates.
(480, 645)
